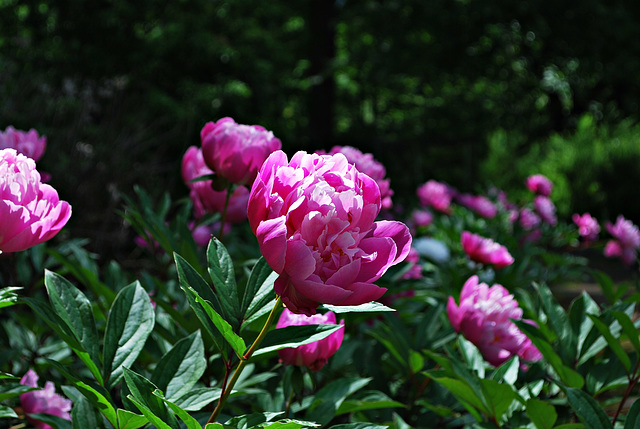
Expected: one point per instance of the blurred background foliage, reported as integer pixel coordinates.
(469, 92)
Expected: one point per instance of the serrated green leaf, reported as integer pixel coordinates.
(587, 409)
(130, 323)
(223, 276)
(181, 367)
(129, 420)
(613, 343)
(542, 414)
(294, 336)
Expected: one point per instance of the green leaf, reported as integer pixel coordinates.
(129, 420)
(143, 393)
(294, 336)
(613, 343)
(359, 425)
(55, 322)
(498, 397)
(196, 399)
(83, 415)
(559, 322)
(155, 420)
(96, 395)
(587, 409)
(54, 421)
(8, 296)
(224, 281)
(259, 290)
(235, 341)
(252, 420)
(508, 371)
(362, 308)
(7, 412)
(580, 324)
(74, 309)
(464, 393)
(189, 421)
(12, 390)
(542, 414)
(181, 367)
(130, 322)
(329, 399)
(632, 420)
(628, 328)
(291, 424)
(371, 401)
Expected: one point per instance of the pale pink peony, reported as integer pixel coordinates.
(483, 317)
(236, 152)
(365, 163)
(205, 199)
(479, 204)
(43, 401)
(314, 221)
(485, 251)
(588, 227)
(626, 240)
(546, 209)
(528, 219)
(28, 143)
(539, 184)
(313, 355)
(31, 212)
(437, 195)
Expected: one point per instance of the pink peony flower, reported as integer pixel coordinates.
(539, 185)
(31, 212)
(236, 151)
(365, 163)
(483, 317)
(485, 250)
(546, 209)
(528, 219)
(479, 204)
(421, 218)
(313, 355)
(437, 195)
(205, 199)
(626, 240)
(588, 227)
(314, 221)
(43, 401)
(30, 144)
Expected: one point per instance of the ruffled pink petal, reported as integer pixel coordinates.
(272, 237)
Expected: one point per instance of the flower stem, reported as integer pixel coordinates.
(244, 360)
(224, 210)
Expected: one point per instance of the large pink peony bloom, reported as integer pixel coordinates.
(437, 195)
(44, 401)
(626, 240)
(479, 204)
(485, 250)
(539, 184)
(205, 199)
(314, 220)
(365, 163)
(28, 143)
(483, 317)
(30, 211)
(313, 355)
(546, 209)
(588, 227)
(236, 151)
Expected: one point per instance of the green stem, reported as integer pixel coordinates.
(224, 210)
(244, 360)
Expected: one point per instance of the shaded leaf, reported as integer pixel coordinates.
(587, 409)
(542, 414)
(294, 336)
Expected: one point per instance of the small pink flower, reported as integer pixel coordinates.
(205, 199)
(43, 401)
(437, 195)
(314, 221)
(539, 184)
(626, 240)
(313, 355)
(415, 272)
(546, 209)
(588, 227)
(479, 204)
(30, 144)
(484, 318)
(528, 219)
(236, 152)
(485, 251)
(365, 163)
(30, 211)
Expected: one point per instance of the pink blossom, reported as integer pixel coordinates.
(539, 184)
(313, 355)
(205, 199)
(484, 318)
(415, 270)
(437, 195)
(31, 212)
(626, 240)
(314, 221)
(30, 144)
(485, 251)
(235, 151)
(421, 218)
(546, 209)
(528, 219)
(365, 163)
(43, 401)
(479, 204)
(588, 227)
